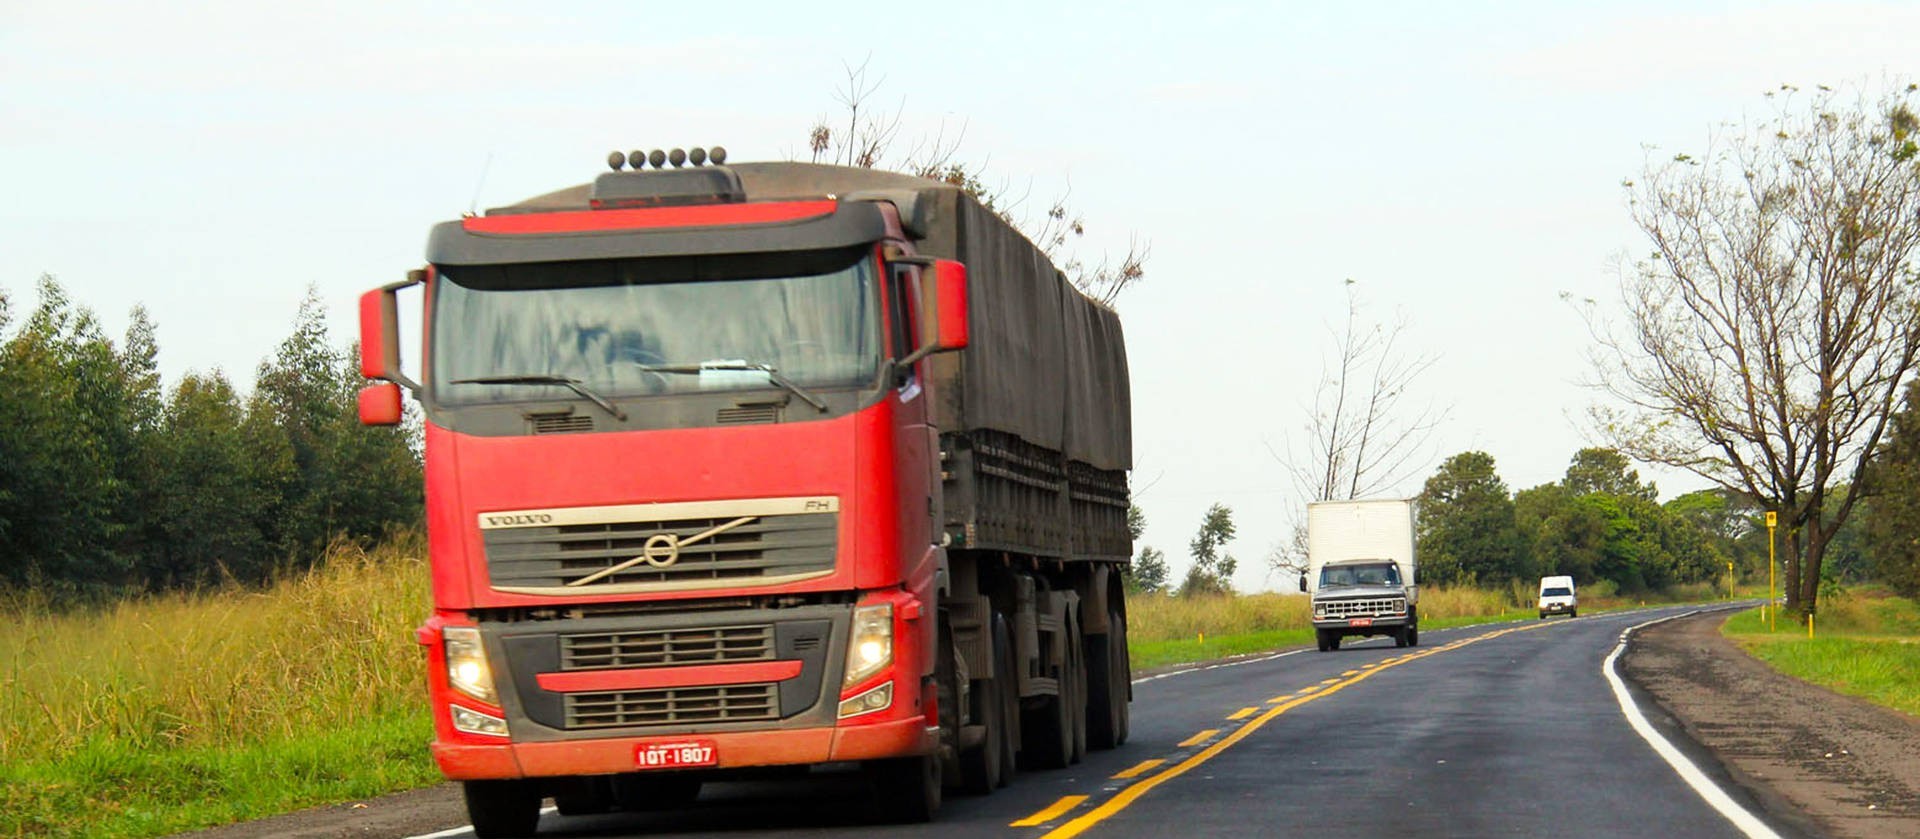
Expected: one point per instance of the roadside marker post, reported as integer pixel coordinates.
(1773, 518)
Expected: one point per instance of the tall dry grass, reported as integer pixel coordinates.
(318, 650)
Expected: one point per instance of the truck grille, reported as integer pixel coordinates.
(663, 647)
(672, 706)
(1364, 607)
(736, 546)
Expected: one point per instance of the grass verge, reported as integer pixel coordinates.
(171, 713)
(1866, 644)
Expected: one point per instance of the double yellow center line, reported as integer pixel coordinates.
(1281, 704)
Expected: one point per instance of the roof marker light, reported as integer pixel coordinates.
(696, 155)
(718, 154)
(658, 158)
(677, 157)
(615, 160)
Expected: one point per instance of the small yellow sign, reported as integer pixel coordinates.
(1773, 518)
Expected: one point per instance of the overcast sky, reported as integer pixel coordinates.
(1460, 161)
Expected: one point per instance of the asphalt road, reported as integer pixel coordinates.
(1504, 730)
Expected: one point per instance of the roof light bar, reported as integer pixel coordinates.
(659, 159)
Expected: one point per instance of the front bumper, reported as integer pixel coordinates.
(1363, 625)
(1556, 608)
(733, 750)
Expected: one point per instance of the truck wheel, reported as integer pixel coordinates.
(502, 809)
(1009, 678)
(1333, 641)
(1400, 636)
(1109, 680)
(906, 790)
(1413, 628)
(981, 766)
(1573, 613)
(1320, 638)
(1046, 734)
(1077, 677)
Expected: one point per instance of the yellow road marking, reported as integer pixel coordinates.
(1053, 811)
(1197, 739)
(1328, 681)
(1242, 714)
(1132, 793)
(1350, 673)
(1138, 768)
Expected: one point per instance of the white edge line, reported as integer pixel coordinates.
(467, 828)
(1717, 798)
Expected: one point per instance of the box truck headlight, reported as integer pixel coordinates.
(871, 647)
(467, 668)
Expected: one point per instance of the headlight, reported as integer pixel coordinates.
(467, 668)
(871, 647)
(1319, 610)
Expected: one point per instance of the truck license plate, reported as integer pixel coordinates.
(1360, 622)
(675, 755)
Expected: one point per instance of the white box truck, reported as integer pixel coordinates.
(1361, 571)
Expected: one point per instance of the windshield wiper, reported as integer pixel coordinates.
(575, 385)
(772, 375)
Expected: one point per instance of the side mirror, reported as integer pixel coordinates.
(1303, 583)
(380, 332)
(380, 404)
(949, 305)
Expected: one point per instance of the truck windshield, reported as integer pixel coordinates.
(1360, 575)
(651, 326)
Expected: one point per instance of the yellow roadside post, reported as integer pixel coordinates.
(1729, 581)
(1773, 518)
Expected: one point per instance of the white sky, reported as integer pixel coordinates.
(1460, 160)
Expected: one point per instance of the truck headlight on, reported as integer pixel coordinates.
(467, 668)
(871, 648)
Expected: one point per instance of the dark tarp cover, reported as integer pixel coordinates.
(1043, 361)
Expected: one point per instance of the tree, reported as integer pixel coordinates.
(1362, 436)
(865, 136)
(1893, 526)
(1213, 567)
(1770, 330)
(1148, 572)
(1467, 532)
(1606, 470)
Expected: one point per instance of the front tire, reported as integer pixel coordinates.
(502, 809)
(906, 790)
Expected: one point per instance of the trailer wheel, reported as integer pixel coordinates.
(906, 790)
(1109, 680)
(1077, 678)
(502, 809)
(1046, 734)
(982, 768)
(1003, 668)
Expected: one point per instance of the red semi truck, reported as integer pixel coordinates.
(731, 469)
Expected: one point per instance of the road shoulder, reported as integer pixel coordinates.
(1848, 766)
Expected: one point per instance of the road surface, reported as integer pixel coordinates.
(1504, 730)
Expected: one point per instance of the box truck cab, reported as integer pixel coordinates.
(1557, 598)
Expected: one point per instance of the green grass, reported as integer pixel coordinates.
(170, 713)
(1865, 644)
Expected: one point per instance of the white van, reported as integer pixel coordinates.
(1556, 597)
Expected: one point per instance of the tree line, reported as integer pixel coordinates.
(111, 484)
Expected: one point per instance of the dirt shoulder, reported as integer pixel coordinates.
(1849, 767)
